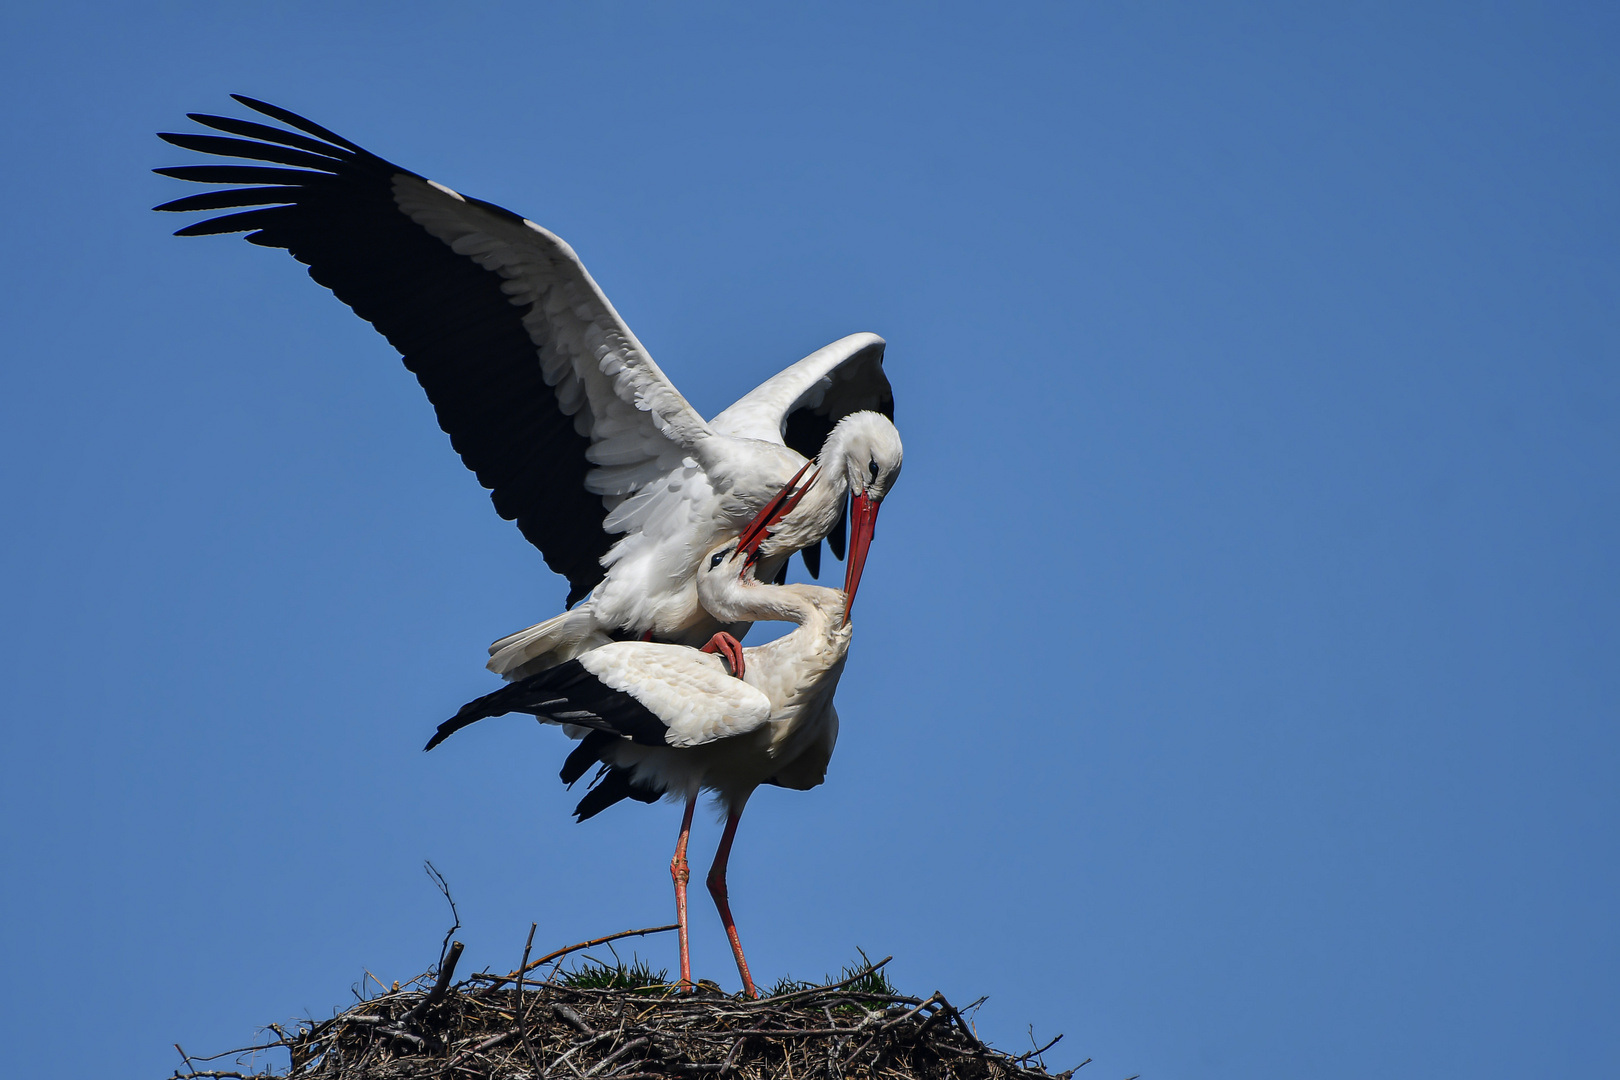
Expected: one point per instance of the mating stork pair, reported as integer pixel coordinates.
(673, 532)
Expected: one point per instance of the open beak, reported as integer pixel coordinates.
(862, 525)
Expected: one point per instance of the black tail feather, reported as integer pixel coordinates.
(614, 787)
(586, 754)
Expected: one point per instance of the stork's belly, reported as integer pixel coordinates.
(730, 767)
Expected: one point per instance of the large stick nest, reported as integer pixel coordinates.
(501, 1026)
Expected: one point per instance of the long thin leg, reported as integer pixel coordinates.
(680, 874)
(717, 889)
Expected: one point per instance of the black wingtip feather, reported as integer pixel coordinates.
(240, 174)
(254, 130)
(246, 221)
(224, 200)
(292, 119)
(252, 150)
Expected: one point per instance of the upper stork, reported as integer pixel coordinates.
(546, 393)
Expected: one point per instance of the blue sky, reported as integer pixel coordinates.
(1235, 685)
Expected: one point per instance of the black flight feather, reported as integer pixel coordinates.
(453, 325)
(812, 559)
(840, 530)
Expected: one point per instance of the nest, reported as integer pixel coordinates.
(635, 1028)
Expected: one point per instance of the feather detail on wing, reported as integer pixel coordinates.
(689, 691)
(799, 406)
(653, 694)
(544, 391)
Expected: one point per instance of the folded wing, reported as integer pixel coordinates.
(653, 694)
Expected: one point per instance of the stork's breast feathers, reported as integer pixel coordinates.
(689, 691)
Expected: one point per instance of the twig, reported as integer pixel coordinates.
(1038, 1053)
(572, 1019)
(497, 980)
(731, 1056)
(633, 1044)
(215, 1057)
(517, 1001)
(444, 887)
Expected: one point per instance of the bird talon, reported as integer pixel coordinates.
(730, 650)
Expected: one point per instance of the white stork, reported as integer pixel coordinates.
(668, 720)
(547, 395)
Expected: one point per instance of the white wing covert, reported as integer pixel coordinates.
(799, 406)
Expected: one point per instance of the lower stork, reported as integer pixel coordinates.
(673, 721)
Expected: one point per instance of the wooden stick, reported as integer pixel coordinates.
(447, 972)
(546, 959)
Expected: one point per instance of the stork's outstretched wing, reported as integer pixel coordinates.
(800, 405)
(544, 391)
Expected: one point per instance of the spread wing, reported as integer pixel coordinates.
(544, 391)
(798, 406)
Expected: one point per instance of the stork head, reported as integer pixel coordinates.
(870, 447)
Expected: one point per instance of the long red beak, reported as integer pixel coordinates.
(863, 512)
(781, 505)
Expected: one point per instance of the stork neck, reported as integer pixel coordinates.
(812, 607)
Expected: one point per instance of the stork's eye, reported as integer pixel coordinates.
(719, 557)
(874, 467)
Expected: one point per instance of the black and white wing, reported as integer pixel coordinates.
(544, 391)
(649, 693)
(799, 406)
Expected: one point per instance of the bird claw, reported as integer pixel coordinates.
(730, 650)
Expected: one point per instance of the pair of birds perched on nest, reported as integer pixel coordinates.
(674, 532)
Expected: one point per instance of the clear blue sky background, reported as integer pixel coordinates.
(1236, 686)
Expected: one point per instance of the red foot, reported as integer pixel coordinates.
(730, 649)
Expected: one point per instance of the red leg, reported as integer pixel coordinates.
(728, 647)
(717, 889)
(680, 874)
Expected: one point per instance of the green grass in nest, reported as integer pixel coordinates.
(873, 982)
(637, 975)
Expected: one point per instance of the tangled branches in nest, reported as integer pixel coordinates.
(606, 1023)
